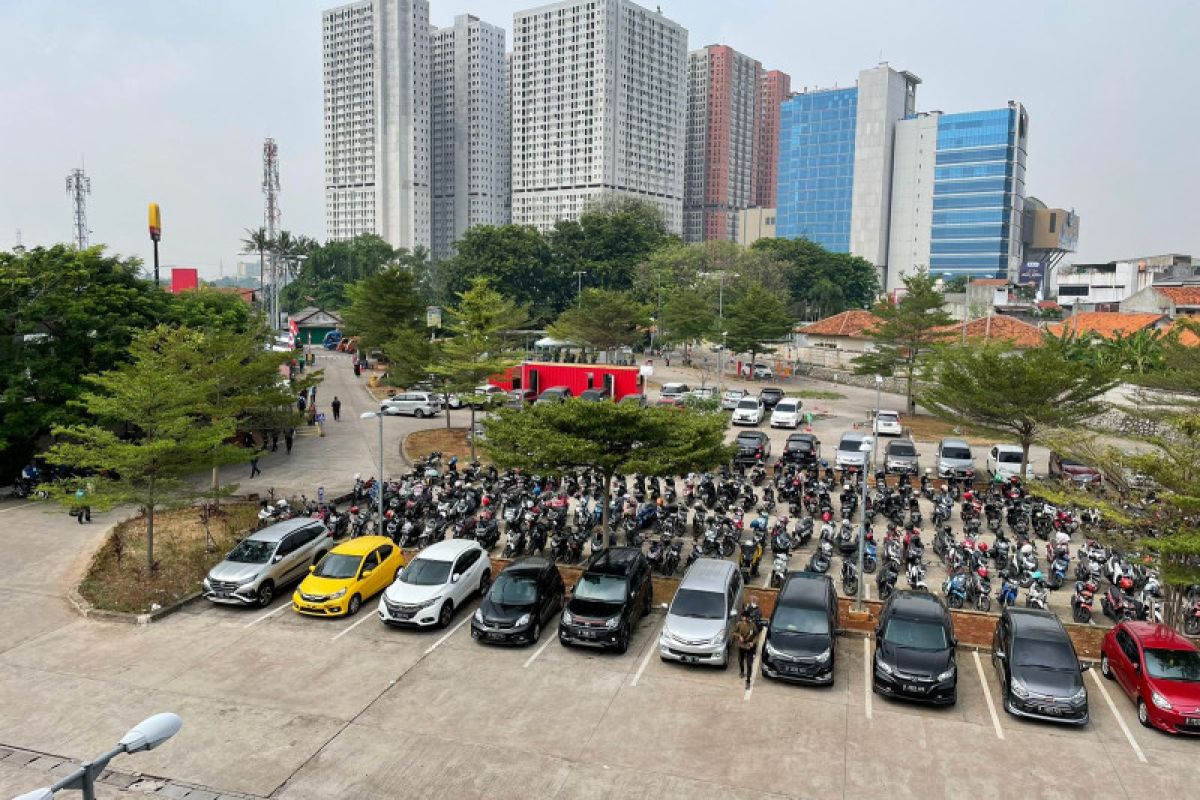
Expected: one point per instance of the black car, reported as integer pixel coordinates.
(802, 449)
(523, 598)
(770, 397)
(752, 446)
(800, 635)
(1040, 675)
(593, 395)
(612, 594)
(555, 394)
(634, 399)
(914, 649)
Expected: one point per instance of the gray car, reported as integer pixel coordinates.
(850, 452)
(702, 614)
(253, 572)
(955, 459)
(901, 457)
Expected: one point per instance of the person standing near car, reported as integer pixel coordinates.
(745, 637)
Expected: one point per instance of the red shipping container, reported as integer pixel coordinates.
(539, 376)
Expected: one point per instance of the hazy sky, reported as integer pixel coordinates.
(170, 101)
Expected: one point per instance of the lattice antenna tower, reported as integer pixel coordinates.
(79, 186)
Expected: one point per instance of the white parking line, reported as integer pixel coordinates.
(545, 644)
(767, 580)
(447, 635)
(344, 631)
(286, 605)
(866, 590)
(637, 676)
(1137, 751)
(867, 673)
(14, 508)
(758, 648)
(987, 694)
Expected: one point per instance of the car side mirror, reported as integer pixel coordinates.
(1085, 666)
(367, 573)
(454, 578)
(733, 613)
(276, 559)
(953, 642)
(1000, 654)
(312, 568)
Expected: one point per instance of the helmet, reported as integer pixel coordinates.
(982, 572)
(1036, 576)
(1026, 549)
(537, 490)
(357, 475)
(353, 509)
(826, 516)
(983, 548)
(845, 487)
(928, 471)
(945, 488)
(968, 494)
(487, 501)
(1125, 582)
(390, 513)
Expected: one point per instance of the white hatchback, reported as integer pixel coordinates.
(439, 580)
(749, 411)
(786, 413)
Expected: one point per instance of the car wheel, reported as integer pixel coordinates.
(484, 582)
(1105, 667)
(537, 632)
(354, 606)
(1143, 713)
(419, 414)
(266, 593)
(649, 603)
(623, 644)
(445, 614)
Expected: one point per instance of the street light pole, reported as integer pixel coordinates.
(379, 485)
(868, 448)
(878, 387)
(579, 286)
(724, 355)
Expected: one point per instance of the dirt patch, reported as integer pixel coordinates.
(119, 580)
(452, 442)
(925, 428)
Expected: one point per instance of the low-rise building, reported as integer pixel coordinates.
(1174, 301)
(754, 224)
(1108, 324)
(996, 328)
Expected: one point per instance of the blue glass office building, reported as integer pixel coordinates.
(816, 167)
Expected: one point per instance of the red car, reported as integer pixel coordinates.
(1160, 670)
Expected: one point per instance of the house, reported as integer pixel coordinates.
(1174, 301)
(848, 331)
(314, 324)
(1108, 324)
(996, 328)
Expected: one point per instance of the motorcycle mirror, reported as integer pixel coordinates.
(1000, 654)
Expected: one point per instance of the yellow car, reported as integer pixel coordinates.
(347, 575)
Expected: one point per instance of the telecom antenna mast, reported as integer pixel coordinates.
(270, 187)
(79, 186)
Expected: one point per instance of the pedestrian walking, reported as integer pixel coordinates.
(745, 638)
(312, 395)
(288, 436)
(274, 441)
(336, 405)
(301, 403)
(312, 414)
(320, 424)
(357, 369)
(254, 470)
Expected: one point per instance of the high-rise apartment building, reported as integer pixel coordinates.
(774, 88)
(599, 103)
(376, 100)
(468, 131)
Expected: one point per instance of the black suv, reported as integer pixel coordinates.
(1040, 675)
(770, 397)
(914, 649)
(527, 594)
(612, 594)
(800, 635)
(752, 446)
(802, 449)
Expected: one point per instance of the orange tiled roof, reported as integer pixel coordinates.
(1107, 324)
(989, 282)
(1047, 304)
(855, 323)
(998, 328)
(1186, 336)
(1180, 295)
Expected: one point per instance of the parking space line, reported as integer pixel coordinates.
(545, 644)
(1137, 751)
(285, 605)
(987, 694)
(344, 631)
(447, 635)
(758, 648)
(867, 673)
(646, 659)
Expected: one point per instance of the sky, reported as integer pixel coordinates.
(170, 101)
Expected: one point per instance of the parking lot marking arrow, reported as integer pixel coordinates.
(987, 694)
(1137, 751)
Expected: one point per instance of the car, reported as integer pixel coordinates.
(704, 393)
(350, 573)
(634, 399)
(444, 399)
(786, 413)
(749, 411)
(555, 394)
(1005, 460)
(731, 398)
(490, 389)
(849, 451)
(802, 449)
(887, 423)
(612, 594)
(752, 446)
(955, 459)
(439, 580)
(770, 396)
(1040, 675)
(519, 398)
(593, 395)
(1066, 468)
(1159, 669)
(265, 561)
(672, 394)
(914, 649)
(701, 615)
(799, 645)
(526, 595)
(900, 458)
(416, 404)
(758, 371)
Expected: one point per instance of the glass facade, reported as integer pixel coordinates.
(816, 167)
(978, 193)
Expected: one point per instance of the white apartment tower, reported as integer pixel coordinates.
(376, 98)
(599, 105)
(468, 131)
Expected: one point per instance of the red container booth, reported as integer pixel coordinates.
(539, 376)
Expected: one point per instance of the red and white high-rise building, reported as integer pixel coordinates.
(773, 88)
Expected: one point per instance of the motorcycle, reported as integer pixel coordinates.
(955, 590)
(849, 578)
(1058, 569)
(1008, 592)
(916, 577)
(885, 581)
(671, 559)
(1081, 601)
(750, 554)
(1036, 594)
(779, 569)
(1117, 605)
(821, 558)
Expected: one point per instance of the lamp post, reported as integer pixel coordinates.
(724, 355)
(868, 449)
(146, 735)
(379, 485)
(878, 388)
(579, 285)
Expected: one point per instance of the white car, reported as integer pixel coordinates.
(757, 371)
(439, 580)
(786, 413)
(1005, 460)
(749, 411)
(704, 393)
(731, 398)
(887, 423)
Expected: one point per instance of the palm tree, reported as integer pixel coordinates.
(1139, 352)
(257, 241)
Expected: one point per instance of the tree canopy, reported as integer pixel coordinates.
(516, 261)
(330, 269)
(381, 304)
(754, 319)
(604, 320)
(813, 270)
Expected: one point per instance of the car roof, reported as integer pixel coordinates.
(448, 549)
(770, 390)
(708, 574)
(528, 564)
(954, 441)
(908, 442)
(1007, 448)
(1033, 623)
(806, 436)
(360, 546)
(801, 587)
(751, 435)
(787, 400)
(614, 561)
(276, 532)
(1153, 634)
(852, 436)
(888, 411)
(917, 605)
(556, 389)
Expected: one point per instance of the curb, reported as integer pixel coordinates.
(86, 610)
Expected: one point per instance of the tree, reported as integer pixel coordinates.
(603, 320)
(330, 269)
(1139, 352)
(809, 264)
(753, 320)
(257, 241)
(516, 261)
(954, 284)
(687, 316)
(380, 305)
(408, 352)
(161, 403)
(210, 309)
(608, 241)
(611, 438)
(1023, 393)
(907, 331)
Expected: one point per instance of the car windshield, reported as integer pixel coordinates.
(747, 440)
(1070, 462)
(886, 417)
(1046, 655)
(601, 588)
(915, 634)
(251, 551)
(702, 605)
(902, 449)
(785, 407)
(790, 619)
(338, 565)
(957, 453)
(849, 444)
(426, 572)
(1173, 665)
(748, 404)
(734, 394)
(673, 388)
(1009, 457)
(514, 590)
(799, 444)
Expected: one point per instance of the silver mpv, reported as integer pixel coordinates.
(253, 572)
(702, 614)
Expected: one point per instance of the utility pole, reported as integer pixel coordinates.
(79, 186)
(579, 286)
(270, 187)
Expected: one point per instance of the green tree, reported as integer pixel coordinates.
(753, 320)
(210, 309)
(908, 329)
(604, 320)
(1022, 393)
(611, 438)
(686, 316)
(159, 401)
(608, 241)
(330, 269)
(810, 264)
(380, 305)
(516, 261)
(408, 352)
(956, 284)
(1139, 352)
(256, 240)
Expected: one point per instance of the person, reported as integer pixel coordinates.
(320, 420)
(357, 368)
(254, 470)
(336, 405)
(312, 395)
(288, 436)
(301, 403)
(312, 414)
(745, 636)
(82, 511)
(274, 441)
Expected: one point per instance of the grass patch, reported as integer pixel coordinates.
(926, 428)
(452, 442)
(818, 394)
(119, 580)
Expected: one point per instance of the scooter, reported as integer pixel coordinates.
(1081, 601)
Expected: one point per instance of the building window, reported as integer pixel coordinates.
(1053, 222)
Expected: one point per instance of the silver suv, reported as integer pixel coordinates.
(702, 614)
(252, 572)
(418, 404)
(955, 459)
